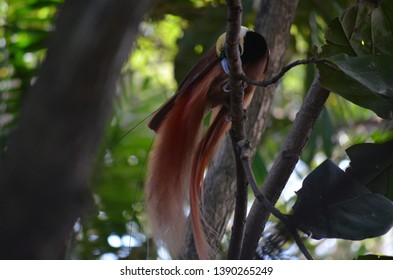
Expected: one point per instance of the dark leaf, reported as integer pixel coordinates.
(331, 204)
(372, 166)
(366, 81)
(374, 257)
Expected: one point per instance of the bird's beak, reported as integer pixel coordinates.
(225, 65)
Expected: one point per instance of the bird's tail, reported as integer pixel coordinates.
(169, 169)
(203, 155)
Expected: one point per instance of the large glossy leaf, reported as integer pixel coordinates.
(360, 30)
(359, 46)
(365, 80)
(331, 204)
(372, 166)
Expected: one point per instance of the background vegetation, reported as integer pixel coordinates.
(171, 39)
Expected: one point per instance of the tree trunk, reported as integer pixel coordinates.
(45, 172)
(273, 22)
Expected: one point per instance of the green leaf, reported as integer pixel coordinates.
(365, 80)
(372, 166)
(259, 168)
(359, 47)
(361, 29)
(331, 204)
(372, 72)
(388, 6)
(44, 4)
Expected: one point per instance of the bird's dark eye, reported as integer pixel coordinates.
(222, 53)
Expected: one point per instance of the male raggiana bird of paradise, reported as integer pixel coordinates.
(180, 153)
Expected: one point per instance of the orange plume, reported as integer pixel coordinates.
(180, 154)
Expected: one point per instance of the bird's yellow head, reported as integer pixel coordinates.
(252, 46)
(220, 44)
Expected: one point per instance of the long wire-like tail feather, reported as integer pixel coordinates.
(203, 155)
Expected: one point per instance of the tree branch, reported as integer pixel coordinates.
(237, 130)
(284, 165)
(244, 173)
(45, 171)
(291, 227)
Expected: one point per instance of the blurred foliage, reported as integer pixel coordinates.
(118, 230)
(24, 29)
(171, 40)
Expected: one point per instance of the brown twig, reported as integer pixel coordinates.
(245, 158)
(237, 131)
(282, 72)
(284, 165)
